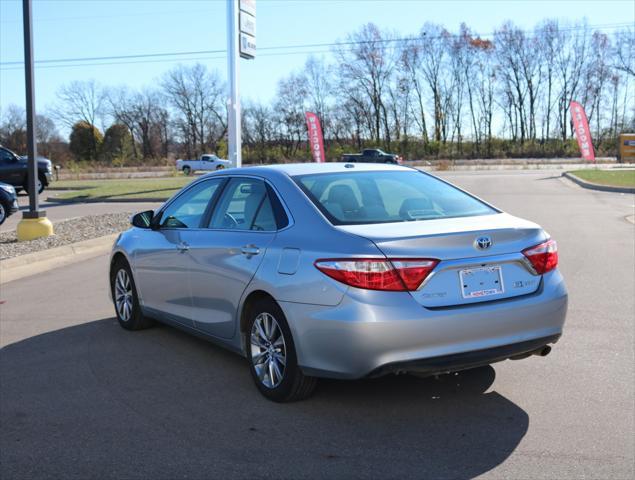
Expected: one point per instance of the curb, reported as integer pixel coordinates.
(597, 186)
(37, 262)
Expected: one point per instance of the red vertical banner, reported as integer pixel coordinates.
(582, 132)
(316, 142)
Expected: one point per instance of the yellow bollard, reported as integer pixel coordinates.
(32, 228)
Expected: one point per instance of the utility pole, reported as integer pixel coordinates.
(234, 133)
(34, 223)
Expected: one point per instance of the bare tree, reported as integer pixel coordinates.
(409, 61)
(80, 101)
(366, 70)
(319, 86)
(196, 95)
(433, 44)
(259, 129)
(570, 61)
(289, 109)
(120, 106)
(625, 51)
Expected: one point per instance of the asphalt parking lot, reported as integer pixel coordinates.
(82, 398)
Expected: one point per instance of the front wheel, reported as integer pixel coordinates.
(272, 357)
(187, 171)
(125, 298)
(220, 167)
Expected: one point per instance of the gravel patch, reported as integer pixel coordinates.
(66, 231)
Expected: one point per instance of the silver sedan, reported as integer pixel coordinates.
(342, 271)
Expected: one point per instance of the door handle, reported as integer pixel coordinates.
(183, 247)
(250, 250)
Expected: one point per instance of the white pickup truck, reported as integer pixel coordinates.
(206, 162)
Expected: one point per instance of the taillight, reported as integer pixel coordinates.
(543, 257)
(396, 274)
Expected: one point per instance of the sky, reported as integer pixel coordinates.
(94, 28)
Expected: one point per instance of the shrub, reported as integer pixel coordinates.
(117, 148)
(85, 141)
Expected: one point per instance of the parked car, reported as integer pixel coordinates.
(372, 155)
(343, 271)
(14, 170)
(205, 162)
(8, 201)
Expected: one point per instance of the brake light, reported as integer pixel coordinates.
(396, 274)
(543, 257)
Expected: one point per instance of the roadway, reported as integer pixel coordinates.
(82, 398)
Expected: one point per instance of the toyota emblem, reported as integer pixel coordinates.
(483, 243)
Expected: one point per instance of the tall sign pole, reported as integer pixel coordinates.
(241, 43)
(30, 106)
(233, 103)
(34, 223)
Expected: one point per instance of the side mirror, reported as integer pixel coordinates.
(142, 219)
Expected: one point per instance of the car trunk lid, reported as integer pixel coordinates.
(467, 272)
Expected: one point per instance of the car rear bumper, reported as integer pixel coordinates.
(371, 333)
(465, 360)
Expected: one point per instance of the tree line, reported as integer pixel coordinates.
(435, 94)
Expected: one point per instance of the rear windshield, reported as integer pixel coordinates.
(351, 198)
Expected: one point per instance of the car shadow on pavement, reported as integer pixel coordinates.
(95, 401)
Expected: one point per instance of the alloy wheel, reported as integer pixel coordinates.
(123, 295)
(268, 350)
(3, 213)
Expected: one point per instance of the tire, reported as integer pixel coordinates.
(3, 213)
(264, 347)
(41, 184)
(187, 171)
(122, 283)
(220, 167)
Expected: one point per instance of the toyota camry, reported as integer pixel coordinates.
(341, 270)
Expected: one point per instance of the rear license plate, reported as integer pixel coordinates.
(481, 282)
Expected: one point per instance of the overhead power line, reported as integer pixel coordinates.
(187, 55)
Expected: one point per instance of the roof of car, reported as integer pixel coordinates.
(293, 169)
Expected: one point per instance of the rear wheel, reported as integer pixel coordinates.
(187, 170)
(3, 213)
(125, 298)
(220, 167)
(272, 357)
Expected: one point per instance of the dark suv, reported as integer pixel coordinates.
(13, 170)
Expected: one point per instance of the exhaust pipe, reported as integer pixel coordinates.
(541, 352)
(544, 351)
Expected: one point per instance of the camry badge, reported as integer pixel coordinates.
(483, 243)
